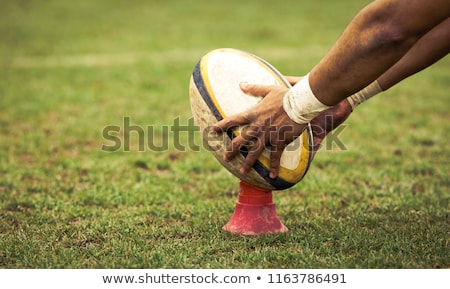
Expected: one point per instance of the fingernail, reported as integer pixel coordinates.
(272, 175)
(243, 84)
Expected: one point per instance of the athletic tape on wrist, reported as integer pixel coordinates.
(364, 94)
(300, 103)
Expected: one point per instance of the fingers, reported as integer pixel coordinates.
(256, 151)
(246, 138)
(264, 127)
(247, 116)
(256, 89)
(261, 141)
(232, 121)
(252, 155)
(327, 121)
(275, 158)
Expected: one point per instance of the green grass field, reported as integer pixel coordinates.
(70, 69)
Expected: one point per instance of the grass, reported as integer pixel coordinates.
(71, 69)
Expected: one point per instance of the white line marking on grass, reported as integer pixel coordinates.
(131, 58)
(105, 59)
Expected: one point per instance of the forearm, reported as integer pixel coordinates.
(370, 45)
(427, 50)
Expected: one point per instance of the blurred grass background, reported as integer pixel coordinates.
(70, 69)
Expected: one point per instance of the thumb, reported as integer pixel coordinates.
(255, 89)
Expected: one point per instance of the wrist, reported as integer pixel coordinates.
(364, 94)
(300, 103)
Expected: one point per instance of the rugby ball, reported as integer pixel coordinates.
(215, 94)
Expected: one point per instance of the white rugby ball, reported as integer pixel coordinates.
(215, 94)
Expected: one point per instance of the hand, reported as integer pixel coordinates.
(266, 125)
(327, 120)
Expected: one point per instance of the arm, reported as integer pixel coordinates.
(378, 37)
(430, 48)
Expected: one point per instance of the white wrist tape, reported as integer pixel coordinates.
(300, 103)
(364, 94)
